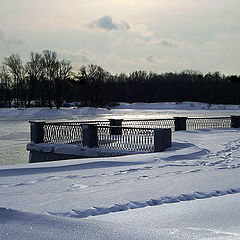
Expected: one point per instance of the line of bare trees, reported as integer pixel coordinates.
(41, 79)
(45, 80)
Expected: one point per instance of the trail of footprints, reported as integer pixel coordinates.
(226, 156)
(94, 211)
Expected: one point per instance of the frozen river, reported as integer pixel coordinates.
(15, 133)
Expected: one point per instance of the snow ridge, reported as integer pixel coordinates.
(94, 211)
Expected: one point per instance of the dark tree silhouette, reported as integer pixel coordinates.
(63, 74)
(50, 71)
(45, 79)
(34, 69)
(94, 77)
(17, 71)
(5, 87)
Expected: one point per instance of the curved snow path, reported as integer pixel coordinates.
(95, 211)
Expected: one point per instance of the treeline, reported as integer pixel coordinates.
(45, 80)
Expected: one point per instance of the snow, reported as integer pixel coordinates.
(19, 225)
(46, 112)
(181, 105)
(203, 219)
(73, 112)
(190, 191)
(76, 150)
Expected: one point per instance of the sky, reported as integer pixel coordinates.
(126, 35)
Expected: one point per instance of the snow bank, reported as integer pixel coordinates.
(175, 106)
(46, 112)
(22, 225)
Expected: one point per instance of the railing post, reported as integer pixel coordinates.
(37, 133)
(162, 139)
(90, 138)
(235, 121)
(117, 124)
(180, 123)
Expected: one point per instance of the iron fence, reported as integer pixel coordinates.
(133, 135)
(130, 139)
(149, 123)
(208, 123)
(66, 133)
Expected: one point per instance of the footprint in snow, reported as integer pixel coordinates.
(77, 186)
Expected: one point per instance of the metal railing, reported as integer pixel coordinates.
(149, 123)
(131, 135)
(208, 123)
(130, 139)
(66, 133)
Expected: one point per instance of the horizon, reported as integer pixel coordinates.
(76, 70)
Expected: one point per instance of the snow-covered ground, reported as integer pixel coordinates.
(181, 106)
(190, 191)
(11, 113)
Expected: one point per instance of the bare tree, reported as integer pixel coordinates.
(5, 86)
(17, 72)
(50, 72)
(34, 69)
(94, 76)
(63, 73)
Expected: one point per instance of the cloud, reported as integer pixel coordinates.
(131, 42)
(142, 30)
(106, 23)
(80, 56)
(118, 64)
(163, 60)
(150, 59)
(7, 40)
(77, 58)
(168, 43)
(1, 35)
